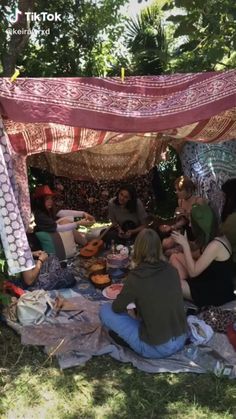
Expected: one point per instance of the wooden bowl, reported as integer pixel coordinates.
(102, 284)
(98, 267)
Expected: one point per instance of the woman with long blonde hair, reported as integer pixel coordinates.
(154, 287)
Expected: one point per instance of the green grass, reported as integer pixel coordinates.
(103, 388)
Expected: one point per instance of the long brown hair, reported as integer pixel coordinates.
(147, 247)
(132, 202)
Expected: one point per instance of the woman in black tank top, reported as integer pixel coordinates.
(209, 279)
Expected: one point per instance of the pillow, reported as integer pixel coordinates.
(60, 244)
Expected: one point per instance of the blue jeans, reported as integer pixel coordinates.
(128, 329)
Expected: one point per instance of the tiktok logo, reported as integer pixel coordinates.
(35, 17)
(14, 17)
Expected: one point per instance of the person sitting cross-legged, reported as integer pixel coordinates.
(127, 214)
(153, 285)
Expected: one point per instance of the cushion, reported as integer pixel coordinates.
(60, 244)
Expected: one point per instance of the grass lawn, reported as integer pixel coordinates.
(103, 388)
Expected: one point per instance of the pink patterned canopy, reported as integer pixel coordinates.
(115, 130)
(62, 115)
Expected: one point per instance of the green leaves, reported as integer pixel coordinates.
(147, 42)
(205, 34)
(184, 28)
(69, 48)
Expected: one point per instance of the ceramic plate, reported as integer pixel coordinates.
(114, 290)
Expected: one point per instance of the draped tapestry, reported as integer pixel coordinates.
(115, 129)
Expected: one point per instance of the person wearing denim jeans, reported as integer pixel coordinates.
(160, 328)
(128, 329)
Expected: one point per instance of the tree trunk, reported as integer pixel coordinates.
(17, 42)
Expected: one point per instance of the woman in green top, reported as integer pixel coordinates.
(154, 287)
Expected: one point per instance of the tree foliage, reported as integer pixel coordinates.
(205, 34)
(147, 42)
(83, 43)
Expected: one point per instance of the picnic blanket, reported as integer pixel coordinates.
(74, 340)
(75, 337)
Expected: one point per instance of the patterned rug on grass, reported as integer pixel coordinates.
(83, 285)
(76, 338)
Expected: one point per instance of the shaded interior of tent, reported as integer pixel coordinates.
(100, 129)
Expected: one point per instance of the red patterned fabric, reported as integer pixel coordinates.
(62, 115)
(140, 104)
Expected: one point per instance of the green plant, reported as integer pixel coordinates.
(169, 169)
(4, 299)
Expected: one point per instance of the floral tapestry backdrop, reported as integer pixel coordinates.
(210, 165)
(13, 236)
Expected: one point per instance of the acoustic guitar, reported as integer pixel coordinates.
(95, 245)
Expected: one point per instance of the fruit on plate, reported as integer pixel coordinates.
(114, 290)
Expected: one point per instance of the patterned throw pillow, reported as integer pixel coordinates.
(60, 244)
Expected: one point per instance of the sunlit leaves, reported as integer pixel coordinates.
(147, 42)
(206, 33)
(69, 49)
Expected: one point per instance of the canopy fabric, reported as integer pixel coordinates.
(13, 208)
(137, 117)
(116, 129)
(209, 166)
(122, 160)
(139, 104)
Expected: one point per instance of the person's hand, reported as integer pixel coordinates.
(40, 254)
(43, 256)
(89, 217)
(84, 222)
(180, 238)
(37, 253)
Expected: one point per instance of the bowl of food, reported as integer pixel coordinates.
(100, 280)
(98, 267)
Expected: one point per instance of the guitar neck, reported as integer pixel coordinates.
(105, 232)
